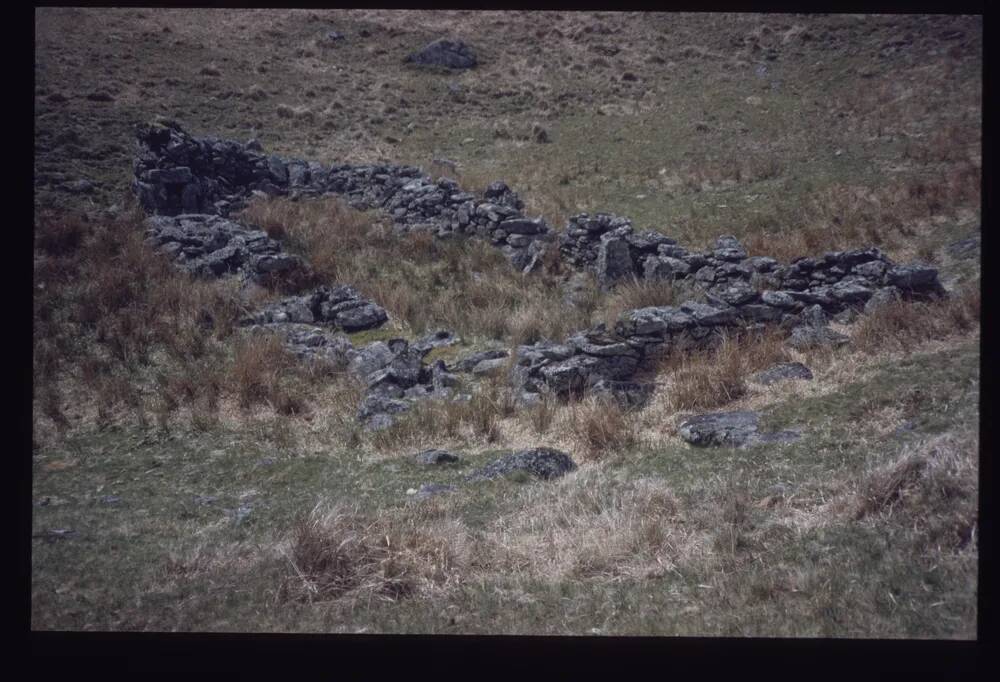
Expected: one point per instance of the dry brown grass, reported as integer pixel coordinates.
(601, 429)
(339, 552)
(588, 525)
(901, 325)
(706, 379)
(932, 485)
(642, 293)
(265, 372)
(843, 217)
(118, 328)
(424, 282)
(478, 419)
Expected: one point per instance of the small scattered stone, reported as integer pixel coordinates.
(435, 457)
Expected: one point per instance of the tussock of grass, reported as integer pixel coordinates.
(901, 325)
(588, 525)
(601, 428)
(931, 486)
(712, 378)
(263, 371)
(339, 552)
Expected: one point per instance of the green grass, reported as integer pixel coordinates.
(125, 566)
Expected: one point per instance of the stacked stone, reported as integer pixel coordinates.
(176, 173)
(338, 307)
(762, 289)
(396, 377)
(604, 361)
(211, 246)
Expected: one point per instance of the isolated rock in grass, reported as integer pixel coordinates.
(452, 54)
(430, 489)
(730, 429)
(543, 463)
(435, 457)
(782, 372)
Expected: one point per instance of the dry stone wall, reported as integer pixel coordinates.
(191, 184)
(176, 173)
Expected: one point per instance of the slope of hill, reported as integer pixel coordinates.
(192, 475)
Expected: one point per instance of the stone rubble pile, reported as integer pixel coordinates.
(396, 377)
(339, 307)
(211, 246)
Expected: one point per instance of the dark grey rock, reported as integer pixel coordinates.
(664, 267)
(808, 336)
(783, 372)
(543, 463)
(882, 297)
(627, 394)
(452, 54)
(733, 294)
(367, 316)
(435, 457)
(614, 262)
(720, 429)
(523, 226)
(373, 405)
(468, 362)
(489, 367)
(656, 321)
(969, 247)
(913, 276)
(707, 315)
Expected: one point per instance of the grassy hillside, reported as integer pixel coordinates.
(188, 477)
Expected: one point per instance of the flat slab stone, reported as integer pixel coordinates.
(431, 489)
(782, 372)
(730, 429)
(808, 336)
